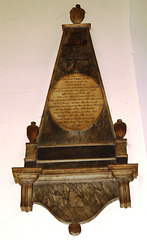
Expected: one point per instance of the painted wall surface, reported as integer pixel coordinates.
(138, 28)
(30, 33)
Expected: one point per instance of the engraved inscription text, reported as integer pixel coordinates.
(75, 102)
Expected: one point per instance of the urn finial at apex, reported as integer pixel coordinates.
(120, 128)
(74, 229)
(77, 14)
(32, 132)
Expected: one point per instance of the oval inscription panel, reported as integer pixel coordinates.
(75, 102)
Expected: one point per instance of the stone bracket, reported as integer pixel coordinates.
(26, 197)
(124, 193)
(124, 173)
(26, 177)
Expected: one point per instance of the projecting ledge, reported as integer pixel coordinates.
(38, 175)
(83, 25)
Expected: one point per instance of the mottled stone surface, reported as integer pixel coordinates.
(76, 55)
(78, 202)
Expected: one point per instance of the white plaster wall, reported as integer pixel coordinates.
(30, 33)
(138, 28)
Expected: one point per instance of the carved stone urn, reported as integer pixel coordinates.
(120, 128)
(77, 14)
(32, 132)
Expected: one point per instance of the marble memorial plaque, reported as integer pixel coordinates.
(75, 102)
